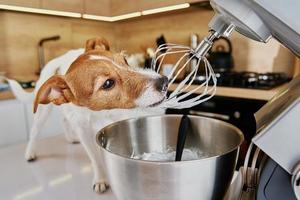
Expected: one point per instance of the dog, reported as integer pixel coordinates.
(95, 88)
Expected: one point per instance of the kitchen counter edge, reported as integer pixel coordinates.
(8, 94)
(256, 94)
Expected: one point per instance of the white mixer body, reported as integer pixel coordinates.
(278, 121)
(261, 19)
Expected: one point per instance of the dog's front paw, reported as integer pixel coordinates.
(100, 187)
(30, 157)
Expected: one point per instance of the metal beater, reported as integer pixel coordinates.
(179, 98)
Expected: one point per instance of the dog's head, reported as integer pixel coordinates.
(100, 79)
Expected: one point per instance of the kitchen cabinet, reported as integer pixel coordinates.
(119, 7)
(16, 120)
(146, 4)
(63, 5)
(97, 7)
(27, 3)
(12, 122)
(53, 125)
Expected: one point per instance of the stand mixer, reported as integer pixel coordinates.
(277, 122)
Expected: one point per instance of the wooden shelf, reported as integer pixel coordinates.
(239, 92)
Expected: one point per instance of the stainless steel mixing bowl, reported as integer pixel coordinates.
(207, 178)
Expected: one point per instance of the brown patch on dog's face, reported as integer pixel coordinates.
(99, 84)
(99, 80)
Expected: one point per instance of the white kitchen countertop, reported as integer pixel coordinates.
(62, 171)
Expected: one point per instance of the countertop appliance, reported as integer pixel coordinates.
(220, 57)
(277, 122)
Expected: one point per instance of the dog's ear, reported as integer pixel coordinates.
(54, 90)
(96, 43)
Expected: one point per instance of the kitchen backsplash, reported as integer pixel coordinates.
(20, 34)
(177, 28)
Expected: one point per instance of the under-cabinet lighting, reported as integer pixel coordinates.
(135, 14)
(165, 9)
(40, 11)
(113, 18)
(97, 17)
(126, 16)
(93, 17)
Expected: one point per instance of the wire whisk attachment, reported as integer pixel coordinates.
(182, 96)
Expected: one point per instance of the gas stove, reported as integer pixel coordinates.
(252, 80)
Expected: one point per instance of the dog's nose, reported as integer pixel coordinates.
(161, 84)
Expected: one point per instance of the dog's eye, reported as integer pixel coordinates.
(108, 84)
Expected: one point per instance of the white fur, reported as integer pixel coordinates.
(149, 97)
(147, 72)
(79, 120)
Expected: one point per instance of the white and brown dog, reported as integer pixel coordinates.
(96, 88)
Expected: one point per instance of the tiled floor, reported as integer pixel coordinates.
(62, 171)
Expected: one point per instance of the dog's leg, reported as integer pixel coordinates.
(39, 120)
(87, 139)
(70, 134)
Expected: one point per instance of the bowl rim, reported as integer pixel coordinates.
(238, 131)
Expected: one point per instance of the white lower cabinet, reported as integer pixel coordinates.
(16, 119)
(13, 126)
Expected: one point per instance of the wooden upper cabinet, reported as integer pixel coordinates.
(146, 4)
(119, 7)
(97, 7)
(63, 5)
(24, 3)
